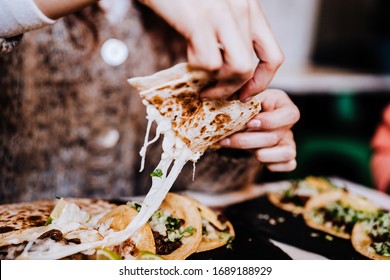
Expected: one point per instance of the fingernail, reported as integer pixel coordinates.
(205, 99)
(254, 124)
(225, 142)
(248, 99)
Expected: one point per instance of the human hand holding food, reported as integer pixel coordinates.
(269, 133)
(230, 37)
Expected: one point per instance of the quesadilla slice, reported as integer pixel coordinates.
(336, 212)
(294, 198)
(189, 125)
(371, 238)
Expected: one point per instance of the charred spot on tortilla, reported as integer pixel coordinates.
(220, 120)
(180, 85)
(190, 103)
(6, 229)
(157, 100)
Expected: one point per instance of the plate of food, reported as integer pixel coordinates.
(336, 223)
(79, 228)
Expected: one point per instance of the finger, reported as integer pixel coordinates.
(267, 50)
(283, 152)
(252, 140)
(204, 56)
(237, 50)
(277, 111)
(283, 117)
(234, 35)
(183, 17)
(221, 90)
(276, 154)
(282, 167)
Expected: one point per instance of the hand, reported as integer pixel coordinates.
(229, 37)
(269, 133)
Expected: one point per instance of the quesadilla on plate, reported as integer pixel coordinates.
(70, 231)
(371, 237)
(294, 198)
(336, 212)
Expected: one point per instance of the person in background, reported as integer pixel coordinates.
(71, 126)
(380, 162)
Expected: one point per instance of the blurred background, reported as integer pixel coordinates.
(337, 71)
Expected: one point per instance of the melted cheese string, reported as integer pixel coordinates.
(174, 151)
(151, 116)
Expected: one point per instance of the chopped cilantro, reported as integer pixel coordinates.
(229, 244)
(49, 221)
(173, 223)
(382, 248)
(289, 193)
(157, 173)
(137, 207)
(190, 230)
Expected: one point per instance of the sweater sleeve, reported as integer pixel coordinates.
(20, 16)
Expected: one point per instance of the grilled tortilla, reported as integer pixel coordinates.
(294, 198)
(142, 240)
(189, 126)
(371, 238)
(217, 231)
(175, 94)
(177, 227)
(48, 229)
(25, 215)
(336, 212)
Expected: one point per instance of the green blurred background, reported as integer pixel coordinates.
(341, 40)
(333, 135)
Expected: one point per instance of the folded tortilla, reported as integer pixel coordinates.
(363, 240)
(182, 208)
(217, 231)
(294, 198)
(336, 212)
(30, 231)
(175, 92)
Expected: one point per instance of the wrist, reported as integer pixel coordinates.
(55, 9)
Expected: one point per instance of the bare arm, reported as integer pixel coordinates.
(55, 9)
(18, 17)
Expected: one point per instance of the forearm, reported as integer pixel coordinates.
(55, 9)
(20, 16)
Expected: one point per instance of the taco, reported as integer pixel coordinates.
(139, 243)
(336, 212)
(294, 198)
(60, 229)
(176, 227)
(217, 231)
(371, 237)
